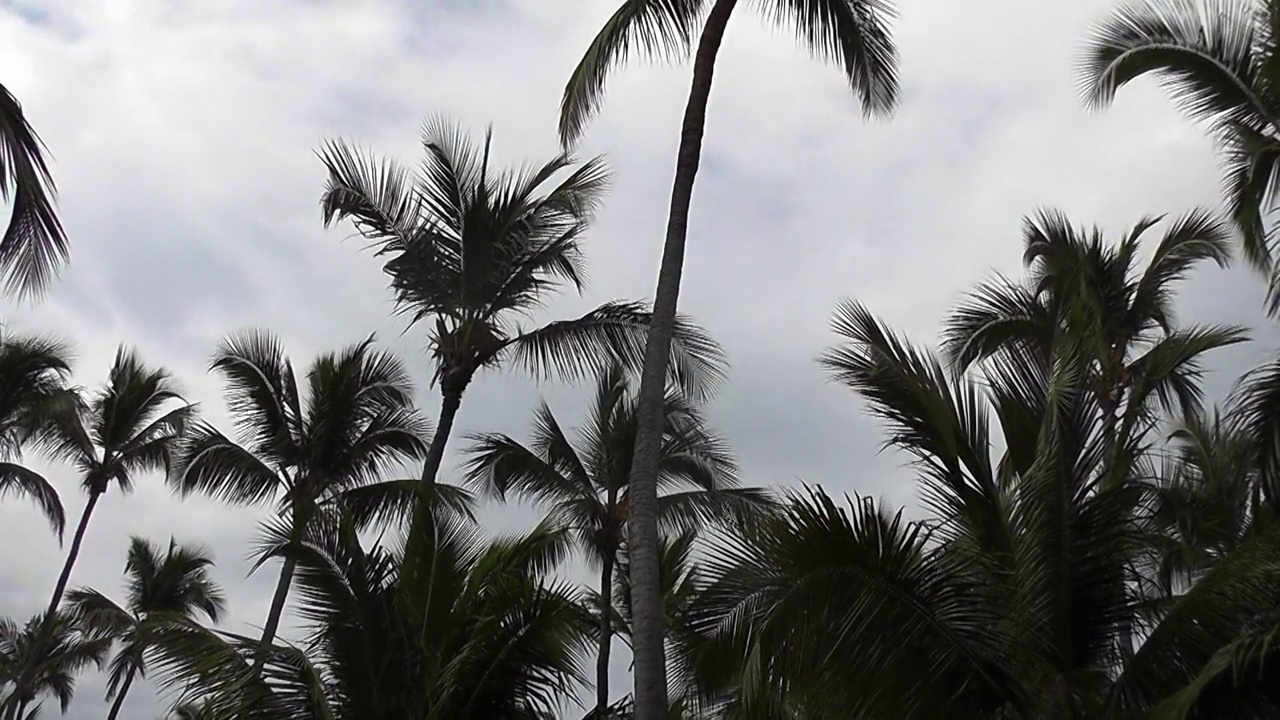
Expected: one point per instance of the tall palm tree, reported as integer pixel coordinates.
(1218, 61)
(851, 33)
(1082, 289)
(128, 427)
(476, 250)
(355, 421)
(66, 650)
(33, 371)
(174, 583)
(1014, 588)
(486, 635)
(584, 486)
(34, 246)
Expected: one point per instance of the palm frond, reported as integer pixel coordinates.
(25, 481)
(615, 333)
(34, 246)
(650, 28)
(853, 34)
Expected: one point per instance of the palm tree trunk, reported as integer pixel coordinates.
(277, 603)
(646, 594)
(124, 690)
(606, 636)
(435, 453)
(60, 589)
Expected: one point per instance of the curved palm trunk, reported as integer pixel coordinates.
(606, 636)
(646, 594)
(46, 624)
(124, 690)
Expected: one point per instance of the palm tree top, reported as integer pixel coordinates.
(851, 34)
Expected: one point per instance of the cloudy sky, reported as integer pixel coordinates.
(183, 134)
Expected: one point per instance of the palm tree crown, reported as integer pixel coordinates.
(477, 250)
(354, 422)
(56, 652)
(161, 586)
(33, 373)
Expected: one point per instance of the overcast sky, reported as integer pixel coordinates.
(183, 135)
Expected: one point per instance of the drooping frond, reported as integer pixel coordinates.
(34, 246)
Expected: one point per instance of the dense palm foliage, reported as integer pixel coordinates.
(485, 633)
(334, 441)
(53, 654)
(1090, 541)
(161, 586)
(34, 246)
(33, 373)
(584, 487)
(852, 34)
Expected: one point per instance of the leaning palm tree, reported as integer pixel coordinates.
(584, 486)
(1015, 587)
(485, 635)
(475, 250)
(171, 584)
(355, 421)
(66, 648)
(1216, 58)
(851, 33)
(129, 427)
(33, 371)
(34, 246)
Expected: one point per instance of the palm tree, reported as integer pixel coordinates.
(485, 635)
(355, 421)
(585, 490)
(173, 584)
(1084, 290)
(34, 246)
(1014, 588)
(851, 33)
(130, 426)
(33, 371)
(476, 250)
(1217, 60)
(66, 649)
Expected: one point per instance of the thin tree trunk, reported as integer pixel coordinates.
(124, 690)
(606, 636)
(444, 427)
(650, 660)
(277, 603)
(46, 624)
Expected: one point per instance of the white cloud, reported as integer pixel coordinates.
(183, 134)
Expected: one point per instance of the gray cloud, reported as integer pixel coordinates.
(184, 133)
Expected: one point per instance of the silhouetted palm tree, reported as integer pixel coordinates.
(851, 33)
(33, 371)
(128, 427)
(175, 584)
(354, 421)
(1014, 588)
(476, 250)
(584, 486)
(34, 246)
(66, 649)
